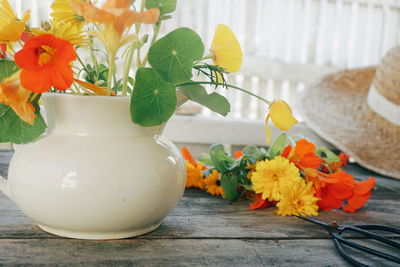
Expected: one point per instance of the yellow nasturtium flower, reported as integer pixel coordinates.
(11, 27)
(281, 116)
(226, 50)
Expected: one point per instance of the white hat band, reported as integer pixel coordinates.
(381, 105)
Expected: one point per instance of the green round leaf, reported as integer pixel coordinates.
(14, 130)
(213, 101)
(165, 6)
(153, 100)
(173, 55)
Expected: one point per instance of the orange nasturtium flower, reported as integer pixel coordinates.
(11, 27)
(281, 116)
(194, 170)
(303, 155)
(116, 16)
(45, 62)
(14, 95)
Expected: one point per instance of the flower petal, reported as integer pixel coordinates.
(259, 203)
(226, 49)
(364, 187)
(281, 115)
(356, 202)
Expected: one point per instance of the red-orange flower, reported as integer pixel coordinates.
(303, 155)
(259, 203)
(361, 194)
(45, 62)
(345, 188)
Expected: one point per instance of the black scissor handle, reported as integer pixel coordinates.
(361, 229)
(379, 227)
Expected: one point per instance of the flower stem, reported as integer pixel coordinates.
(127, 67)
(111, 65)
(228, 85)
(157, 27)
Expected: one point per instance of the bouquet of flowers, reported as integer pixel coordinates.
(156, 73)
(299, 178)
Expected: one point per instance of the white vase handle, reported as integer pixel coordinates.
(4, 187)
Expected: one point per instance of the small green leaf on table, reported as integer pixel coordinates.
(153, 100)
(15, 130)
(221, 161)
(173, 56)
(230, 183)
(213, 101)
(278, 146)
(165, 6)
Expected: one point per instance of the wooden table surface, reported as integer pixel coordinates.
(202, 230)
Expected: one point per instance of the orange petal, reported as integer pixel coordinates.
(259, 203)
(344, 187)
(364, 187)
(286, 151)
(310, 160)
(188, 156)
(125, 4)
(97, 89)
(237, 154)
(303, 147)
(344, 158)
(61, 76)
(329, 201)
(35, 80)
(356, 202)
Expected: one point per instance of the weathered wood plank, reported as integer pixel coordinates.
(170, 252)
(201, 216)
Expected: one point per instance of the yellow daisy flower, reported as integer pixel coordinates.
(281, 116)
(194, 175)
(11, 27)
(67, 31)
(64, 13)
(298, 199)
(213, 184)
(272, 175)
(226, 49)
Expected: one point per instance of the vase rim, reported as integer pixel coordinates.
(53, 94)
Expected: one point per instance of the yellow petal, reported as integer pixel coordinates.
(26, 16)
(12, 31)
(281, 115)
(7, 14)
(226, 49)
(267, 130)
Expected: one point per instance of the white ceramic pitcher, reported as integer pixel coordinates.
(95, 174)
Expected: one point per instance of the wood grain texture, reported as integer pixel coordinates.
(202, 230)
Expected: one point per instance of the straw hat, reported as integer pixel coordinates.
(358, 111)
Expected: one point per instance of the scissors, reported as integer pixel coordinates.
(336, 231)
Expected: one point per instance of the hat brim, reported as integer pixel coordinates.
(336, 109)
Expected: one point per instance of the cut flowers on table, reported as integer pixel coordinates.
(299, 179)
(105, 50)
